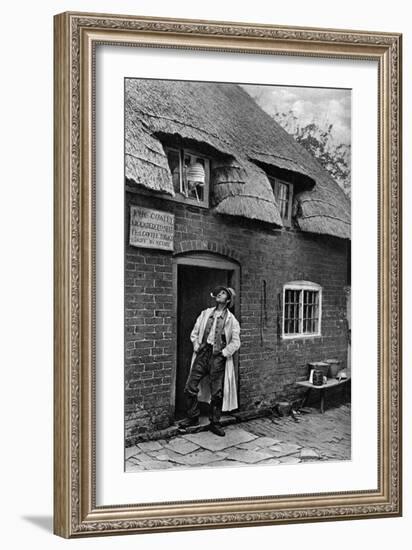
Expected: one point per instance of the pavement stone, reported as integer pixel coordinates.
(199, 458)
(181, 445)
(248, 446)
(149, 446)
(149, 465)
(130, 451)
(160, 455)
(262, 442)
(285, 449)
(269, 462)
(212, 442)
(248, 457)
(289, 460)
(178, 458)
(314, 437)
(225, 463)
(139, 458)
(266, 441)
(309, 454)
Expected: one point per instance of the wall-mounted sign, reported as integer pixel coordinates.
(151, 228)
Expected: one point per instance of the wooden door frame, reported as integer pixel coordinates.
(211, 261)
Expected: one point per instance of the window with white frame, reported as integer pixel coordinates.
(190, 175)
(302, 309)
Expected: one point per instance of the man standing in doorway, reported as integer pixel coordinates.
(215, 339)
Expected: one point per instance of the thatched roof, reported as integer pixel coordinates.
(243, 141)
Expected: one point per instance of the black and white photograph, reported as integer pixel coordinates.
(206, 308)
(237, 270)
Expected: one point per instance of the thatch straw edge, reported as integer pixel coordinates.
(250, 207)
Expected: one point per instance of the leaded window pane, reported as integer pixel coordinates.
(301, 311)
(283, 198)
(292, 311)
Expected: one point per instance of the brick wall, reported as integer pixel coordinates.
(268, 365)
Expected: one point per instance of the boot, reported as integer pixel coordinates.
(187, 422)
(217, 429)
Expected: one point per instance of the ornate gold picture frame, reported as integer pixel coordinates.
(76, 511)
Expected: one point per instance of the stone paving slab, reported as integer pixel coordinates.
(265, 441)
(269, 462)
(285, 449)
(309, 454)
(162, 455)
(149, 465)
(262, 442)
(248, 457)
(249, 446)
(289, 460)
(327, 437)
(149, 446)
(139, 458)
(130, 451)
(181, 445)
(199, 458)
(212, 442)
(225, 463)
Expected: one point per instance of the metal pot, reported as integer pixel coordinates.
(334, 367)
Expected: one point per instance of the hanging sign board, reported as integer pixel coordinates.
(151, 228)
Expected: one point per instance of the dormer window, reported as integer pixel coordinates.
(283, 192)
(190, 175)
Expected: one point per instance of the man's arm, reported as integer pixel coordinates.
(234, 343)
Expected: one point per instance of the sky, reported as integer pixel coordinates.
(321, 105)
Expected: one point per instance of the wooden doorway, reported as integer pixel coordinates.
(197, 275)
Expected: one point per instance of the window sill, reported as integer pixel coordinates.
(300, 336)
(189, 202)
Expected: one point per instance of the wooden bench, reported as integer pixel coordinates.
(331, 383)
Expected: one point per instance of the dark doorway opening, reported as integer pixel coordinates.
(194, 285)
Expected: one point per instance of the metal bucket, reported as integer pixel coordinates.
(334, 367)
(321, 366)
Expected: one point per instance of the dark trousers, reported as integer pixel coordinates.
(213, 365)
